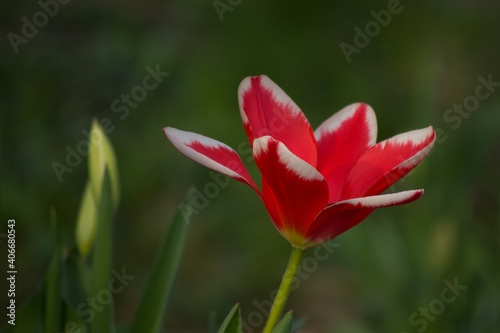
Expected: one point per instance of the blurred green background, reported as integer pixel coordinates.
(428, 58)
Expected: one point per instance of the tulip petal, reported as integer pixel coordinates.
(267, 110)
(211, 153)
(388, 161)
(342, 139)
(342, 216)
(293, 191)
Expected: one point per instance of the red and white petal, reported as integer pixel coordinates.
(342, 216)
(267, 110)
(388, 161)
(293, 191)
(211, 153)
(341, 140)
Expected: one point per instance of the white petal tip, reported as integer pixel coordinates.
(336, 121)
(290, 161)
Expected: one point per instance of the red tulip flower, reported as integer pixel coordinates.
(315, 184)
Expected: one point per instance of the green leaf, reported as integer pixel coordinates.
(102, 157)
(149, 317)
(101, 259)
(52, 301)
(86, 223)
(232, 323)
(285, 324)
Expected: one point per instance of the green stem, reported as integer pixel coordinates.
(284, 290)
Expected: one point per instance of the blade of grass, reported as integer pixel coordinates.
(232, 323)
(52, 302)
(52, 306)
(149, 316)
(285, 324)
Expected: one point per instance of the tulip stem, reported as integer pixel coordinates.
(284, 290)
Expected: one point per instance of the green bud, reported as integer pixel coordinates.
(101, 156)
(86, 224)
